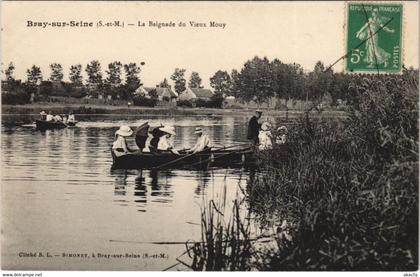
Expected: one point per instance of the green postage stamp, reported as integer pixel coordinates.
(374, 36)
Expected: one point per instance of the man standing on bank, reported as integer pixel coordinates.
(254, 127)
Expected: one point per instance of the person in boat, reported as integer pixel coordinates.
(43, 115)
(120, 144)
(65, 118)
(264, 137)
(254, 127)
(203, 141)
(58, 118)
(165, 143)
(49, 117)
(71, 118)
(281, 135)
(156, 135)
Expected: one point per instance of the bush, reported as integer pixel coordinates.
(349, 193)
(15, 98)
(143, 101)
(184, 103)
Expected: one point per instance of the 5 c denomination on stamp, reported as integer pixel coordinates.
(374, 37)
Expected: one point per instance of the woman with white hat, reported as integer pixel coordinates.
(281, 135)
(264, 136)
(120, 144)
(164, 143)
(203, 141)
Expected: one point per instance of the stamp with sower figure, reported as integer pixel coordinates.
(374, 36)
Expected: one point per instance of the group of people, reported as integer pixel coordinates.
(161, 141)
(162, 137)
(64, 118)
(261, 134)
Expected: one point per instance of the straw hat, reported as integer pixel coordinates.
(266, 126)
(43, 113)
(169, 130)
(198, 130)
(124, 131)
(282, 128)
(258, 111)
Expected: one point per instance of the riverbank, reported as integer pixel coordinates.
(168, 111)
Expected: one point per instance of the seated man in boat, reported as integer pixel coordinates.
(264, 136)
(58, 118)
(156, 135)
(49, 117)
(120, 144)
(203, 141)
(71, 118)
(43, 115)
(165, 143)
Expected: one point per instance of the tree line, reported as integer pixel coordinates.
(259, 80)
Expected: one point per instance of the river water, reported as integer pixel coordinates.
(60, 196)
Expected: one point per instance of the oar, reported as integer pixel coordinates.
(226, 154)
(174, 161)
(192, 154)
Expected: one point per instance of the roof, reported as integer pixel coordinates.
(162, 91)
(202, 92)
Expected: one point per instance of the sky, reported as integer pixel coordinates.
(300, 32)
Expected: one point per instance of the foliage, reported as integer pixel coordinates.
(132, 79)
(179, 80)
(349, 192)
(93, 70)
(113, 79)
(164, 84)
(56, 72)
(9, 72)
(144, 101)
(195, 80)
(75, 75)
(184, 103)
(17, 97)
(221, 83)
(34, 75)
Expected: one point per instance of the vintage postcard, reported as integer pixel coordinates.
(209, 136)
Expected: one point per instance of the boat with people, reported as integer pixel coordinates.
(48, 125)
(50, 121)
(218, 157)
(161, 153)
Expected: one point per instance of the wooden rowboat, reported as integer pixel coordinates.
(47, 125)
(213, 158)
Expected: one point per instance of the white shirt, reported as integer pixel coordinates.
(120, 143)
(164, 144)
(49, 117)
(71, 118)
(281, 139)
(202, 142)
(57, 118)
(265, 140)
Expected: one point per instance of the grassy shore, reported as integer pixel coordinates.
(338, 197)
(135, 110)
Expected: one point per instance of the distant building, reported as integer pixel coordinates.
(195, 94)
(163, 94)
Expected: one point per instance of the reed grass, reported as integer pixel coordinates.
(342, 196)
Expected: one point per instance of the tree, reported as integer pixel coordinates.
(164, 84)
(114, 74)
(221, 83)
(254, 81)
(131, 75)
(75, 75)
(9, 72)
(319, 81)
(34, 75)
(179, 80)
(56, 72)
(195, 80)
(93, 70)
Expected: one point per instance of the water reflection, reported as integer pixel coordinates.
(44, 169)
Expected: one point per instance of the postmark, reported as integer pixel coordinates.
(374, 37)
